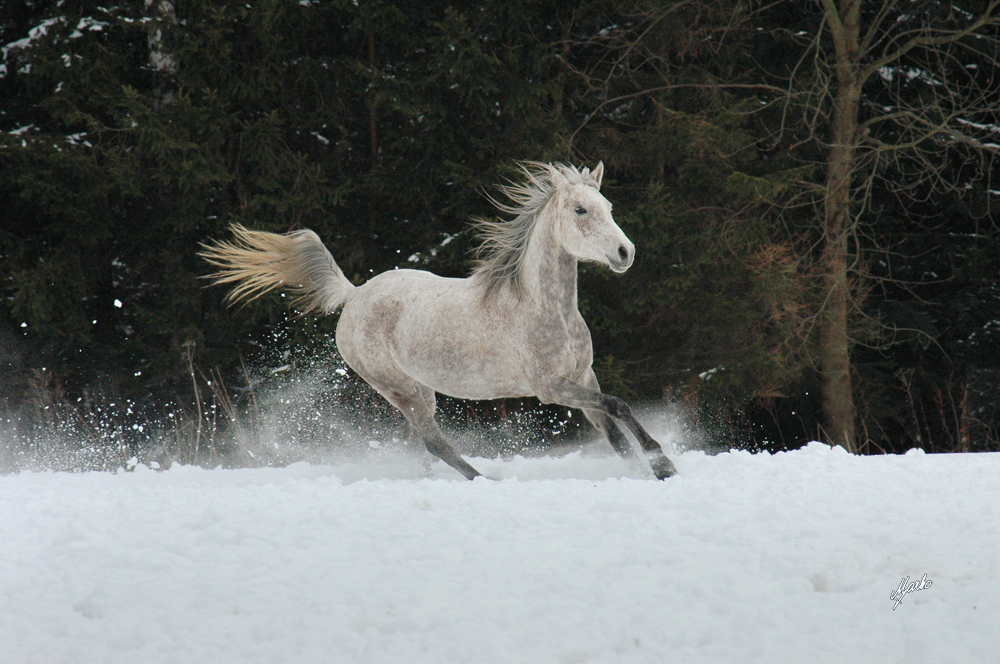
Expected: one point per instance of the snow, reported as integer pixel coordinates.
(742, 557)
(36, 33)
(87, 23)
(707, 375)
(992, 128)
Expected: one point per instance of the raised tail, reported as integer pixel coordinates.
(258, 262)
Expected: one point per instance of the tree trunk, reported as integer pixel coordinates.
(835, 362)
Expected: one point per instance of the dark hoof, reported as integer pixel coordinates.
(467, 470)
(662, 467)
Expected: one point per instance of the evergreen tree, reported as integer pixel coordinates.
(134, 133)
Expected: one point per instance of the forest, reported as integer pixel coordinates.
(808, 183)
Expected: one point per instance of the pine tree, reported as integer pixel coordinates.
(134, 133)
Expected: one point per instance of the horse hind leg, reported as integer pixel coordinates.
(412, 436)
(375, 364)
(417, 405)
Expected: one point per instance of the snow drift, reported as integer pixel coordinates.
(754, 558)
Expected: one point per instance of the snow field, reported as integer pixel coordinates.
(748, 558)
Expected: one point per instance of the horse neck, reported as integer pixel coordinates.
(549, 276)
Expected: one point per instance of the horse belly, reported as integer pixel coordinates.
(473, 362)
(476, 387)
(409, 325)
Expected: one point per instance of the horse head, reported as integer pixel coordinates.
(583, 222)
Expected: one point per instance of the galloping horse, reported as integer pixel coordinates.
(511, 329)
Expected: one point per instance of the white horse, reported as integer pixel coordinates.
(511, 329)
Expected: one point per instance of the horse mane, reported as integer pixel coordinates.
(501, 253)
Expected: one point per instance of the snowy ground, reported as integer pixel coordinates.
(741, 558)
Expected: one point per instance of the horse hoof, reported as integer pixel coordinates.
(662, 467)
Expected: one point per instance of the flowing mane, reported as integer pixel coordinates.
(500, 256)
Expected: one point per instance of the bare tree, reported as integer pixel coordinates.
(906, 90)
(883, 92)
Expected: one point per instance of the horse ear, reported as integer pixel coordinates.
(558, 179)
(598, 174)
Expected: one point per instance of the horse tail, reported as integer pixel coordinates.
(258, 262)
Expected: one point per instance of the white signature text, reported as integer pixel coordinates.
(907, 586)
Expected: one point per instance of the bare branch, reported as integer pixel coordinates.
(989, 18)
(876, 25)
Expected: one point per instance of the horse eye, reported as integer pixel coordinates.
(581, 210)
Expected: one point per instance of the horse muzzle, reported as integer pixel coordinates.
(622, 259)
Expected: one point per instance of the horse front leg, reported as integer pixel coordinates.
(567, 393)
(606, 424)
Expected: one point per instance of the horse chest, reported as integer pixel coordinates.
(581, 347)
(560, 344)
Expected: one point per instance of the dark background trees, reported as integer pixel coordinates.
(130, 134)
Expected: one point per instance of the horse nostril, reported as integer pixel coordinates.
(623, 253)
